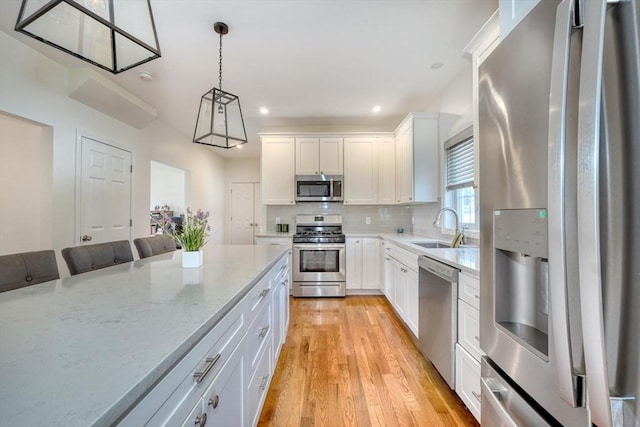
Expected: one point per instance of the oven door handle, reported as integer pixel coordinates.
(318, 246)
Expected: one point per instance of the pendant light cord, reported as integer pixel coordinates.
(220, 65)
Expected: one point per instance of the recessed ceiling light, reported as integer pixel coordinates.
(436, 65)
(376, 109)
(264, 110)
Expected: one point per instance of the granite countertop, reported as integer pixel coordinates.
(467, 259)
(275, 234)
(80, 350)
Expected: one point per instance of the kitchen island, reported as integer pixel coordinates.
(82, 350)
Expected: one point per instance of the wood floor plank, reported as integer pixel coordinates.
(352, 362)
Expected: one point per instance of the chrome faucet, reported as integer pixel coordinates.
(436, 222)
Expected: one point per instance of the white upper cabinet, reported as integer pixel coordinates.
(319, 156)
(387, 171)
(417, 159)
(361, 166)
(278, 170)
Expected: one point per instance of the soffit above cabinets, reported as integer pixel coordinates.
(100, 93)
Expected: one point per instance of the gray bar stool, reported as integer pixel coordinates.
(27, 268)
(82, 259)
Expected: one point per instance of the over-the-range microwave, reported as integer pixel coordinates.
(319, 188)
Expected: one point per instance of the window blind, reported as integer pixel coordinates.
(460, 164)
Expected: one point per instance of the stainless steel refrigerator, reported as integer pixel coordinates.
(559, 144)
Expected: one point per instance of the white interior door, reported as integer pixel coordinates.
(242, 213)
(105, 193)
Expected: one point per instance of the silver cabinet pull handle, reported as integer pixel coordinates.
(213, 401)
(477, 296)
(477, 338)
(264, 293)
(201, 420)
(477, 396)
(263, 331)
(85, 238)
(263, 383)
(211, 361)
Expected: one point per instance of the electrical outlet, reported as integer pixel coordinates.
(277, 220)
(367, 220)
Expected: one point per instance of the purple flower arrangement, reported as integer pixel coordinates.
(195, 229)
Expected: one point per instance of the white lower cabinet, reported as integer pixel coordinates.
(280, 312)
(258, 385)
(286, 241)
(468, 352)
(388, 278)
(401, 283)
(223, 379)
(223, 402)
(468, 380)
(353, 247)
(469, 329)
(370, 263)
(363, 257)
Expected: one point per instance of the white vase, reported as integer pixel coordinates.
(192, 259)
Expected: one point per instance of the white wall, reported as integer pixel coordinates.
(457, 100)
(34, 87)
(456, 108)
(26, 172)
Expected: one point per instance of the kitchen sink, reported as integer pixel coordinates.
(432, 245)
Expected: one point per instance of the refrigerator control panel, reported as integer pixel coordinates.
(522, 231)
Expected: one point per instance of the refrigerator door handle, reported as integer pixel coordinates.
(494, 397)
(591, 298)
(559, 307)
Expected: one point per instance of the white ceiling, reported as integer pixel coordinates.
(316, 64)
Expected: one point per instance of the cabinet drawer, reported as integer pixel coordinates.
(260, 295)
(469, 329)
(170, 402)
(408, 258)
(259, 333)
(223, 402)
(468, 381)
(195, 417)
(469, 290)
(259, 384)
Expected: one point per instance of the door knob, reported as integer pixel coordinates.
(85, 238)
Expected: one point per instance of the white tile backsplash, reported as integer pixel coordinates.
(383, 219)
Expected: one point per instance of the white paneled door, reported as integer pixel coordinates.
(245, 212)
(104, 202)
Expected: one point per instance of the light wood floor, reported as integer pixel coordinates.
(351, 362)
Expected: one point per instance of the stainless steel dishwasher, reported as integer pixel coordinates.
(438, 315)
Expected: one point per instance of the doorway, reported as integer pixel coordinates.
(245, 212)
(104, 199)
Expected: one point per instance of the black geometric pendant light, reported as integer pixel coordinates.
(114, 35)
(220, 122)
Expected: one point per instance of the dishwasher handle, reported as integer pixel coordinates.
(444, 271)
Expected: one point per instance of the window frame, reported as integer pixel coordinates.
(449, 196)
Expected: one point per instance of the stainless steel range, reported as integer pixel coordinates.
(319, 256)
